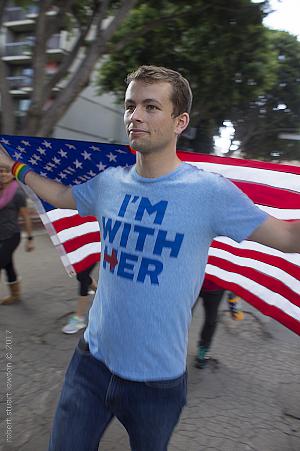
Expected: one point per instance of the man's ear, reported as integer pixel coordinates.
(182, 121)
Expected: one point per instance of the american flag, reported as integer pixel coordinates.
(266, 278)
(76, 238)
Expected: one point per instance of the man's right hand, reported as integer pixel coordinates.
(5, 160)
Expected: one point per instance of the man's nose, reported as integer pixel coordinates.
(137, 114)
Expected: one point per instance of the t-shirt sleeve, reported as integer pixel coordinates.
(20, 199)
(86, 196)
(233, 213)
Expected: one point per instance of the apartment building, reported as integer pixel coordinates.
(91, 117)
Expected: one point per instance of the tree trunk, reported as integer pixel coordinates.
(42, 124)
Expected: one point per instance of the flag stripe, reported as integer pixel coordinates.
(261, 176)
(73, 221)
(281, 316)
(267, 280)
(268, 296)
(257, 256)
(252, 245)
(269, 196)
(288, 215)
(78, 241)
(78, 231)
(82, 252)
(90, 260)
(197, 157)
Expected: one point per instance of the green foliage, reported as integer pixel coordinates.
(277, 110)
(219, 46)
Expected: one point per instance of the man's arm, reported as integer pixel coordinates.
(281, 235)
(53, 192)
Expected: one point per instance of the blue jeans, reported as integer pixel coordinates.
(92, 396)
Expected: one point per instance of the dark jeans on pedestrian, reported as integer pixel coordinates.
(211, 302)
(7, 248)
(92, 396)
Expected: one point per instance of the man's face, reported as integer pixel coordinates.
(148, 117)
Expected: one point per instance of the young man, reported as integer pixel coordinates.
(157, 223)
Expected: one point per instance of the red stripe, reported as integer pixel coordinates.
(270, 196)
(273, 260)
(267, 281)
(71, 221)
(269, 310)
(79, 241)
(86, 262)
(206, 158)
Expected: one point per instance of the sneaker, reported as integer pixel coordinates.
(75, 324)
(201, 359)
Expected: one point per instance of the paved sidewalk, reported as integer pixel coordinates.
(249, 401)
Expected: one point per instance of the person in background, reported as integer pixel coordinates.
(12, 205)
(87, 286)
(212, 295)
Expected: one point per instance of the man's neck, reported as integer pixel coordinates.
(154, 166)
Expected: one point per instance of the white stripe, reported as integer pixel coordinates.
(83, 252)
(252, 245)
(263, 176)
(59, 213)
(265, 268)
(258, 290)
(281, 213)
(76, 231)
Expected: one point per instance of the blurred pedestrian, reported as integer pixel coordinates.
(87, 286)
(212, 295)
(12, 206)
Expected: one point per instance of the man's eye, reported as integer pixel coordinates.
(129, 107)
(151, 107)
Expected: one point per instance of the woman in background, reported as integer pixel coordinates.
(12, 205)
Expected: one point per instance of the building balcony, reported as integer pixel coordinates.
(18, 52)
(19, 82)
(15, 13)
(21, 52)
(18, 48)
(22, 19)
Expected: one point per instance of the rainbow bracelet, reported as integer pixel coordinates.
(20, 170)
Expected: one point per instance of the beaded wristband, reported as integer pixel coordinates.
(20, 170)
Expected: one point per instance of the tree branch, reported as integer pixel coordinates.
(56, 22)
(8, 120)
(69, 58)
(81, 77)
(122, 12)
(39, 60)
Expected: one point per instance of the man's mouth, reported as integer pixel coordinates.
(136, 131)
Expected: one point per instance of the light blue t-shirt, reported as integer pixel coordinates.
(155, 236)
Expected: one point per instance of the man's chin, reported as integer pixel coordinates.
(138, 146)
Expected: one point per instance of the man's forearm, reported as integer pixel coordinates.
(53, 192)
(294, 245)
